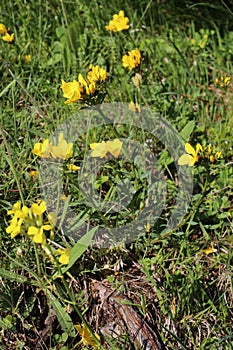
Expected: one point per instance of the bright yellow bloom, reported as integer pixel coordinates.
(64, 255)
(63, 150)
(101, 149)
(27, 58)
(131, 60)
(33, 173)
(37, 234)
(42, 150)
(15, 227)
(87, 337)
(90, 89)
(118, 23)
(208, 251)
(8, 37)
(3, 29)
(38, 208)
(18, 212)
(134, 107)
(96, 73)
(72, 91)
(192, 155)
(73, 167)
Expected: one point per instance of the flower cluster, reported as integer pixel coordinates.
(75, 91)
(46, 149)
(132, 59)
(118, 23)
(222, 82)
(193, 156)
(30, 222)
(103, 148)
(6, 37)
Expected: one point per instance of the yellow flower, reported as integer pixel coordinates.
(101, 149)
(15, 226)
(37, 234)
(8, 37)
(118, 23)
(73, 167)
(72, 91)
(96, 73)
(114, 147)
(208, 251)
(27, 58)
(222, 82)
(87, 337)
(90, 89)
(131, 60)
(33, 173)
(64, 255)
(38, 208)
(18, 212)
(42, 150)
(192, 155)
(63, 150)
(134, 107)
(3, 29)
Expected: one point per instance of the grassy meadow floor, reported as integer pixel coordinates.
(178, 285)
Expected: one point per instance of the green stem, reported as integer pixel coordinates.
(10, 162)
(72, 299)
(67, 25)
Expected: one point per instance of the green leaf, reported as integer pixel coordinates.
(63, 317)
(187, 130)
(12, 276)
(79, 248)
(100, 180)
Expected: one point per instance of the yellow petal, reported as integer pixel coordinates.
(86, 335)
(185, 159)
(99, 149)
(209, 251)
(114, 147)
(189, 149)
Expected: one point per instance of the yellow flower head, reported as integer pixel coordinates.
(101, 149)
(208, 251)
(87, 337)
(27, 58)
(33, 173)
(18, 212)
(38, 208)
(118, 23)
(3, 29)
(37, 234)
(192, 155)
(63, 150)
(73, 167)
(131, 60)
(8, 37)
(134, 107)
(15, 227)
(42, 150)
(222, 82)
(90, 88)
(72, 91)
(96, 73)
(64, 255)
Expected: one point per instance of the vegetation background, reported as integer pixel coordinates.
(180, 284)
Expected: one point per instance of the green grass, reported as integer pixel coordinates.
(183, 292)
